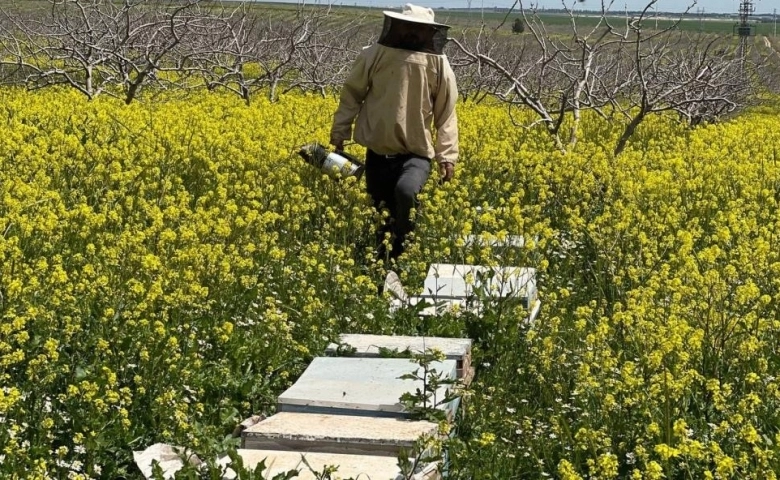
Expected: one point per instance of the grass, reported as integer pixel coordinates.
(556, 21)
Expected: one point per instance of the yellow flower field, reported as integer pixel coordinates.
(168, 268)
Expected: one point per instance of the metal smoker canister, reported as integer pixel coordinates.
(334, 164)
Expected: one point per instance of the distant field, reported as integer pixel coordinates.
(555, 20)
(490, 17)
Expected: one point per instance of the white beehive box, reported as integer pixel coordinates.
(510, 241)
(349, 466)
(311, 432)
(458, 281)
(372, 346)
(361, 386)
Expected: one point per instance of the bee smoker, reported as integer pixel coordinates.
(335, 164)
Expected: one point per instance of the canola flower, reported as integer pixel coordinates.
(168, 268)
(165, 269)
(655, 353)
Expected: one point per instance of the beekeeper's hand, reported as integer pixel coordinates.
(339, 145)
(446, 171)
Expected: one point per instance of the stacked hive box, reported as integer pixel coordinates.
(465, 287)
(346, 411)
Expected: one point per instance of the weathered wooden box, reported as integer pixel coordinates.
(349, 466)
(347, 434)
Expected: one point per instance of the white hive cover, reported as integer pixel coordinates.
(370, 345)
(359, 386)
(456, 281)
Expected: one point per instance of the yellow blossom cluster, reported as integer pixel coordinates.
(165, 269)
(168, 267)
(655, 355)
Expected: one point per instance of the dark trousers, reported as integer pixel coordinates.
(394, 182)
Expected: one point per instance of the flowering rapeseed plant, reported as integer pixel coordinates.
(169, 268)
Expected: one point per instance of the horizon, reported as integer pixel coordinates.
(714, 7)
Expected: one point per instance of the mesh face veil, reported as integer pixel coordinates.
(418, 37)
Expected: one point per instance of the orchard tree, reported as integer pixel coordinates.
(94, 46)
(619, 68)
(518, 26)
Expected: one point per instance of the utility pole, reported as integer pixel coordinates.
(774, 17)
(655, 11)
(700, 11)
(746, 9)
(744, 28)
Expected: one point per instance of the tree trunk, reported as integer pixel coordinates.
(630, 129)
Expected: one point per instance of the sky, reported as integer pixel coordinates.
(705, 6)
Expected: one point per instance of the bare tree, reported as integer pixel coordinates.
(284, 42)
(66, 43)
(770, 58)
(698, 76)
(323, 63)
(247, 54)
(95, 46)
(225, 52)
(519, 76)
(477, 80)
(154, 41)
(617, 66)
(555, 75)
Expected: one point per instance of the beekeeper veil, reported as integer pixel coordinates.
(414, 29)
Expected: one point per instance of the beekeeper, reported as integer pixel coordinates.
(400, 92)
